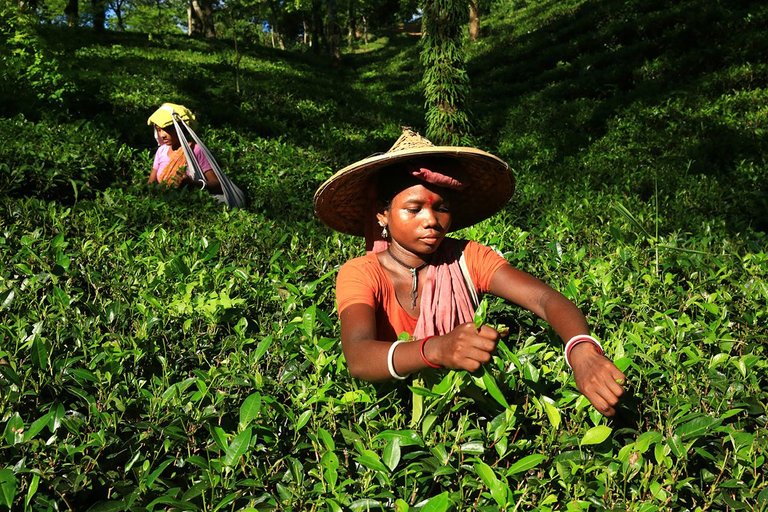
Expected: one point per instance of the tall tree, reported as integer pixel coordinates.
(99, 8)
(116, 6)
(352, 23)
(72, 13)
(445, 80)
(276, 12)
(200, 18)
(153, 16)
(474, 19)
(317, 26)
(334, 33)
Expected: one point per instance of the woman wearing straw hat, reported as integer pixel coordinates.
(417, 280)
(170, 165)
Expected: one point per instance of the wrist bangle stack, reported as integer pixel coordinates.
(580, 338)
(391, 362)
(424, 357)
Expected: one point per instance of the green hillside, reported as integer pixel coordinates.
(159, 351)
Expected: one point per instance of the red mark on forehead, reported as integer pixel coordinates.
(431, 198)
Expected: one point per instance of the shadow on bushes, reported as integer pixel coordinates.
(61, 162)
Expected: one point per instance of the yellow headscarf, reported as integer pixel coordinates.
(163, 116)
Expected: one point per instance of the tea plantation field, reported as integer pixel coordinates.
(159, 351)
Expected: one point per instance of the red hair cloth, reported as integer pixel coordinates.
(437, 178)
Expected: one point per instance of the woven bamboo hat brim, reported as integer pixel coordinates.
(344, 201)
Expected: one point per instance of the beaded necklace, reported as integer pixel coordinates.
(415, 277)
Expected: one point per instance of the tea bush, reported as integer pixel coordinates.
(30, 76)
(61, 161)
(159, 351)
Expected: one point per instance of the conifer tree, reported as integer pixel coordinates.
(445, 80)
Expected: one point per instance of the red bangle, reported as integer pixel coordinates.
(424, 357)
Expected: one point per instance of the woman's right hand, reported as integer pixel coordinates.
(464, 348)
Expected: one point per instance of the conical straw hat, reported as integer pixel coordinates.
(344, 201)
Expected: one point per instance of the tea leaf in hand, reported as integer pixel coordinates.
(481, 313)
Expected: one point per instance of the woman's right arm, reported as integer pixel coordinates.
(152, 176)
(461, 349)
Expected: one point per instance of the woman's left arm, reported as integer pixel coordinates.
(596, 376)
(212, 180)
(212, 183)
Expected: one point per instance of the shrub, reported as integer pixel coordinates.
(61, 161)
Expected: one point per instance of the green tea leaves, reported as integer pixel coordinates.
(8, 487)
(161, 351)
(596, 435)
(237, 447)
(526, 463)
(497, 487)
(250, 409)
(696, 427)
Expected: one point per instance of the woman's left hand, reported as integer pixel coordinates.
(597, 378)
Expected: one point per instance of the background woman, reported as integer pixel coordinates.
(170, 166)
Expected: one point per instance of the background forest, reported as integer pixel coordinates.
(159, 351)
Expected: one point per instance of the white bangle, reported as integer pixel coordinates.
(391, 363)
(202, 187)
(580, 338)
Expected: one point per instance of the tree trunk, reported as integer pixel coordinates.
(352, 23)
(72, 13)
(474, 20)
(334, 33)
(99, 17)
(118, 8)
(278, 41)
(200, 19)
(191, 21)
(317, 26)
(276, 28)
(209, 29)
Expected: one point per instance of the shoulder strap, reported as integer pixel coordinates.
(233, 196)
(468, 280)
(188, 154)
